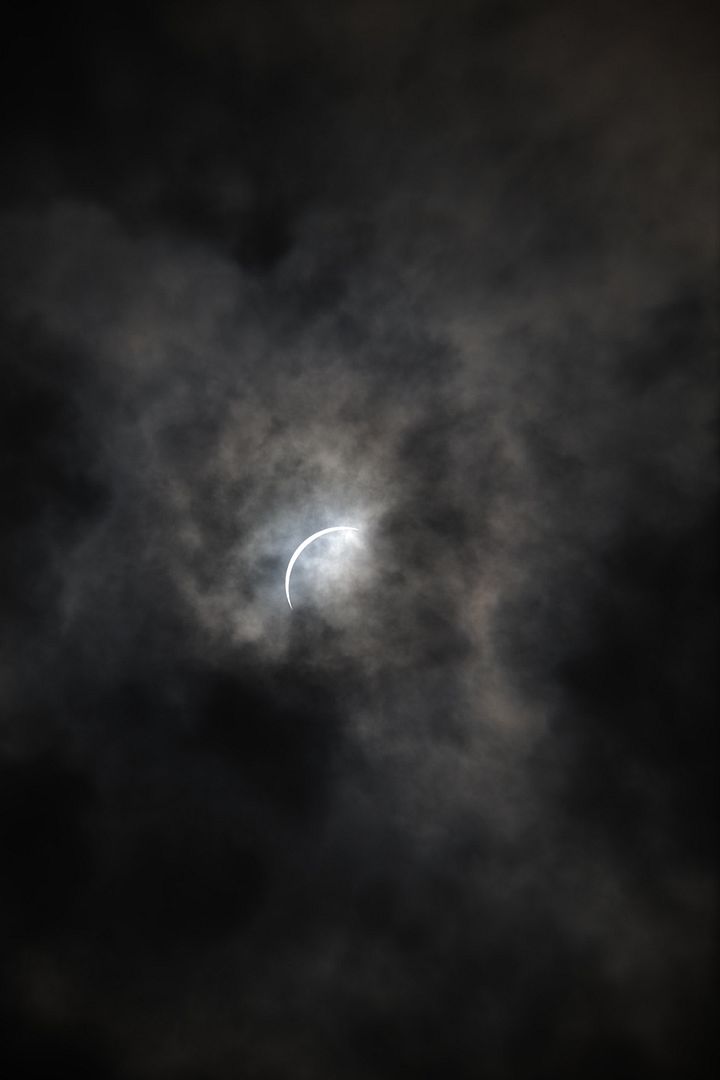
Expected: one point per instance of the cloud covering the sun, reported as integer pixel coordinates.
(444, 276)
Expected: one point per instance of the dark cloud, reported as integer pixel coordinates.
(445, 272)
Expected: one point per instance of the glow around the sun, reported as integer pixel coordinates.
(306, 543)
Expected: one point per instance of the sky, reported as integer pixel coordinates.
(445, 273)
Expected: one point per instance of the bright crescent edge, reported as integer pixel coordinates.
(299, 550)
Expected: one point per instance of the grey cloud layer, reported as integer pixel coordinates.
(488, 342)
